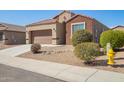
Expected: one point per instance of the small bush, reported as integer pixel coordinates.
(114, 37)
(81, 36)
(87, 51)
(35, 48)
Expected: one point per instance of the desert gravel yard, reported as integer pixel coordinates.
(65, 55)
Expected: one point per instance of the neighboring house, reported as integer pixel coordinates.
(12, 34)
(118, 28)
(59, 29)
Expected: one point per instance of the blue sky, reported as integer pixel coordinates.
(23, 17)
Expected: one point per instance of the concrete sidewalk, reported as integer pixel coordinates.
(62, 71)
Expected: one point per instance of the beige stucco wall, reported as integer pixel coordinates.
(42, 27)
(65, 14)
(58, 32)
(27, 37)
(12, 37)
(61, 33)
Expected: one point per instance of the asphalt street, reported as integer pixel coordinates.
(11, 74)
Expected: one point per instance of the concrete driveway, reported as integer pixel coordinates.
(20, 49)
(17, 50)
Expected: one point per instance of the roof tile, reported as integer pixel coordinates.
(12, 27)
(48, 21)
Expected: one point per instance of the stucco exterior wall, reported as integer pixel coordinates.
(91, 25)
(42, 27)
(60, 33)
(28, 40)
(88, 26)
(64, 17)
(98, 28)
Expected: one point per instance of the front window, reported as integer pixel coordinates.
(78, 26)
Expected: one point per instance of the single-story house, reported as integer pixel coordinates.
(59, 29)
(119, 27)
(12, 34)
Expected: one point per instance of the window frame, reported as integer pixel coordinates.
(77, 24)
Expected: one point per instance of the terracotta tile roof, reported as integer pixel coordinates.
(86, 17)
(48, 21)
(54, 20)
(79, 15)
(12, 27)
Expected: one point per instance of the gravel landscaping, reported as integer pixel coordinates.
(65, 55)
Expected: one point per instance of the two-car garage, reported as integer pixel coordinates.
(42, 32)
(45, 32)
(41, 36)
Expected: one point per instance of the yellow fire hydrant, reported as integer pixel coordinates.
(110, 54)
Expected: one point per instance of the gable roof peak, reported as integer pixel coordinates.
(67, 11)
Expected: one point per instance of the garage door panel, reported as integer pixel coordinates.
(43, 37)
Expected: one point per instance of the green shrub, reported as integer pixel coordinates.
(35, 48)
(87, 51)
(114, 37)
(81, 36)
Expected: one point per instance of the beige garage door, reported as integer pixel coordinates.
(43, 37)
